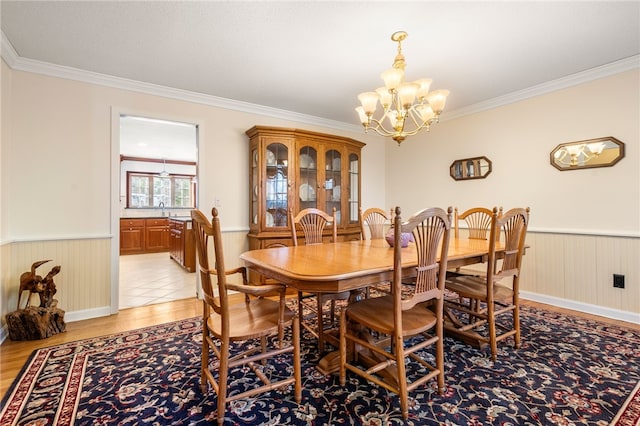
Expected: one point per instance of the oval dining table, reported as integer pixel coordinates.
(349, 266)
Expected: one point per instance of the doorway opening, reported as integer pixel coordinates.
(157, 188)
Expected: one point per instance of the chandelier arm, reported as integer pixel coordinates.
(379, 128)
(418, 122)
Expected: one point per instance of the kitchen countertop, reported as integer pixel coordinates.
(179, 218)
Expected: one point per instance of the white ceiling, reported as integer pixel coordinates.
(314, 57)
(152, 138)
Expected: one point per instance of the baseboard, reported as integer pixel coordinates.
(87, 314)
(632, 317)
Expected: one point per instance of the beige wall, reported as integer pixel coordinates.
(64, 130)
(518, 138)
(585, 224)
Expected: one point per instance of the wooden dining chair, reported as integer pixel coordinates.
(376, 221)
(313, 224)
(405, 322)
(495, 294)
(477, 220)
(256, 318)
(477, 224)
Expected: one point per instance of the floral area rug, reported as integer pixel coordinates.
(569, 371)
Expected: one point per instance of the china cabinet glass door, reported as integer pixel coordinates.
(308, 183)
(277, 185)
(333, 183)
(255, 193)
(354, 188)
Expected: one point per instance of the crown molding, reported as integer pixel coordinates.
(52, 70)
(617, 67)
(7, 51)
(16, 62)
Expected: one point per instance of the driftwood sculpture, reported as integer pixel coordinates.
(45, 287)
(46, 297)
(37, 322)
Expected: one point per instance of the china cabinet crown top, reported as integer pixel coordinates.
(281, 131)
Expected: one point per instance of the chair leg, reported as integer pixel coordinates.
(204, 361)
(320, 324)
(263, 347)
(491, 319)
(516, 320)
(343, 348)
(222, 381)
(402, 376)
(297, 367)
(440, 355)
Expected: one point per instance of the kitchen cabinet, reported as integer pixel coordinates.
(144, 235)
(298, 169)
(132, 235)
(156, 235)
(182, 247)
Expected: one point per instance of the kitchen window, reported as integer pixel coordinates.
(148, 190)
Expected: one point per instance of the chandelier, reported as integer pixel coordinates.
(408, 107)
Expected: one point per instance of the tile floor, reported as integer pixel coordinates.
(147, 279)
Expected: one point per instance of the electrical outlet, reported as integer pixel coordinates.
(618, 281)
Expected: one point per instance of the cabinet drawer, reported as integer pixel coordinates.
(131, 222)
(157, 222)
(177, 225)
(280, 242)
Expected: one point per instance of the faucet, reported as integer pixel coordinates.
(161, 205)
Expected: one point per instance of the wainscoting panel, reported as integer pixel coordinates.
(235, 243)
(580, 267)
(84, 279)
(618, 256)
(543, 265)
(579, 270)
(7, 301)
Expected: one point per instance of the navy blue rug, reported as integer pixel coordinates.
(569, 371)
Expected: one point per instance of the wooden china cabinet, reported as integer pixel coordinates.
(297, 169)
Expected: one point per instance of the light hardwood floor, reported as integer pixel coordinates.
(14, 354)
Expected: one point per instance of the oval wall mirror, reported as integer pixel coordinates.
(470, 168)
(600, 152)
